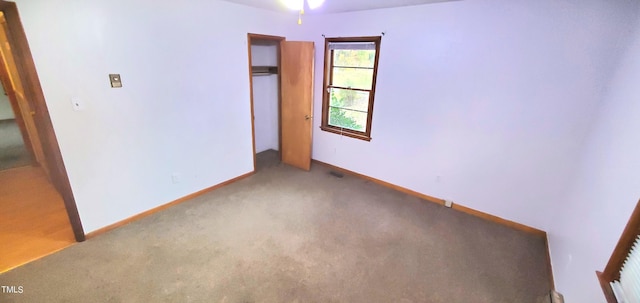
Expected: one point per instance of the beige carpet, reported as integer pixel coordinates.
(285, 235)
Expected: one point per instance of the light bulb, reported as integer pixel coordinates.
(313, 4)
(293, 4)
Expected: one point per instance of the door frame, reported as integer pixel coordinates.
(33, 91)
(250, 39)
(17, 112)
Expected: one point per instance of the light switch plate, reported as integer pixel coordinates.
(115, 79)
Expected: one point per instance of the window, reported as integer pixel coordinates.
(351, 66)
(619, 279)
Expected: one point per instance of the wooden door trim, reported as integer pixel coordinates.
(33, 91)
(250, 38)
(17, 112)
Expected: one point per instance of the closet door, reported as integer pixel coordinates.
(296, 76)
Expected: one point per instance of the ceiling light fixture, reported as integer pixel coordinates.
(313, 4)
(299, 6)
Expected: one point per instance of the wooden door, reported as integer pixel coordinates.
(23, 108)
(7, 87)
(296, 76)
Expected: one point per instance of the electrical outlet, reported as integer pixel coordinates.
(448, 203)
(176, 178)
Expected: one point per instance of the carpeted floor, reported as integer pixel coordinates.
(284, 235)
(12, 150)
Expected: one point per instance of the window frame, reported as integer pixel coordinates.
(328, 77)
(612, 270)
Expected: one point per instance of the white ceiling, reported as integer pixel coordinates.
(336, 6)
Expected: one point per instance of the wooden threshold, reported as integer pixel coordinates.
(26, 261)
(152, 211)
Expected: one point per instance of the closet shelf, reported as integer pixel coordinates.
(264, 70)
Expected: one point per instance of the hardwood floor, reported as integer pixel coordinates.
(33, 220)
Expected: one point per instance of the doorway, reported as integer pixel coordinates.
(17, 133)
(286, 97)
(39, 212)
(264, 67)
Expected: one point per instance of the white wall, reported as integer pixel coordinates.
(184, 106)
(499, 98)
(265, 99)
(264, 55)
(493, 96)
(6, 112)
(590, 220)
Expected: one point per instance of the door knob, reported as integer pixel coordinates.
(307, 117)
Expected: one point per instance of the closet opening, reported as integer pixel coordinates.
(264, 79)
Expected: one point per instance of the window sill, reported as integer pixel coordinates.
(346, 132)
